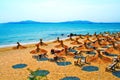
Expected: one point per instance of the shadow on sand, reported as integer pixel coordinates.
(116, 73)
(70, 78)
(42, 59)
(63, 63)
(41, 72)
(17, 66)
(90, 68)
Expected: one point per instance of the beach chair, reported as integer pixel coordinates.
(111, 67)
(57, 59)
(115, 65)
(80, 62)
(61, 59)
(42, 56)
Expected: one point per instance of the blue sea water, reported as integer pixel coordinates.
(28, 33)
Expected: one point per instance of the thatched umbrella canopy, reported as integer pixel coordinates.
(61, 45)
(81, 36)
(114, 49)
(87, 39)
(38, 50)
(76, 42)
(99, 58)
(84, 47)
(117, 38)
(19, 46)
(96, 44)
(41, 43)
(42, 51)
(57, 40)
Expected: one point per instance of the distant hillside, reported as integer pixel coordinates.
(25, 22)
(78, 22)
(35, 22)
(67, 22)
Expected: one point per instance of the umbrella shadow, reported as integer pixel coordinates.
(90, 68)
(18, 66)
(70, 78)
(63, 63)
(116, 73)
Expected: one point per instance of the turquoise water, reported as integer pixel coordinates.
(28, 33)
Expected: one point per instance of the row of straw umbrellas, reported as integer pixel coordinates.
(95, 42)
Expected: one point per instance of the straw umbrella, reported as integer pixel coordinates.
(70, 37)
(57, 40)
(42, 43)
(81, 37)
(76, 42)
(84, 47)
(39, 51)
(19, 46)
(114, 49)
(100, 58)
(61, 45)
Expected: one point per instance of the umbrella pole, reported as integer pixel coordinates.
(99, 72)
(20, 58)
(65, 69)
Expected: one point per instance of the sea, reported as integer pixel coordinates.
(32, 33)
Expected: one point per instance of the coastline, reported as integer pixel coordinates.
(10, 57)
(28, 45)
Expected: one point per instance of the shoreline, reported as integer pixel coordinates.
(28, 45)
(11, 57)
(31, 43)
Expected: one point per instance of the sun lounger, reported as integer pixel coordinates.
(111, 67)
(58, 59)
(80, 62)
(115, 65)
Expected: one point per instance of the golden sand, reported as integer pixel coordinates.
(10, 57)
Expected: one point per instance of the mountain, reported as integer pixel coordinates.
(67, 22)
(78, 22)
(36, 22)
(25, 22)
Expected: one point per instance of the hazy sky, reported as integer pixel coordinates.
(60, 10)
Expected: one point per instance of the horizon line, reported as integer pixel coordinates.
(57, 21)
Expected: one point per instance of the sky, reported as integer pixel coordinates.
(59, 10)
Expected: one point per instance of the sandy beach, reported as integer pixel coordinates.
(10, 57)
(59, 40)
